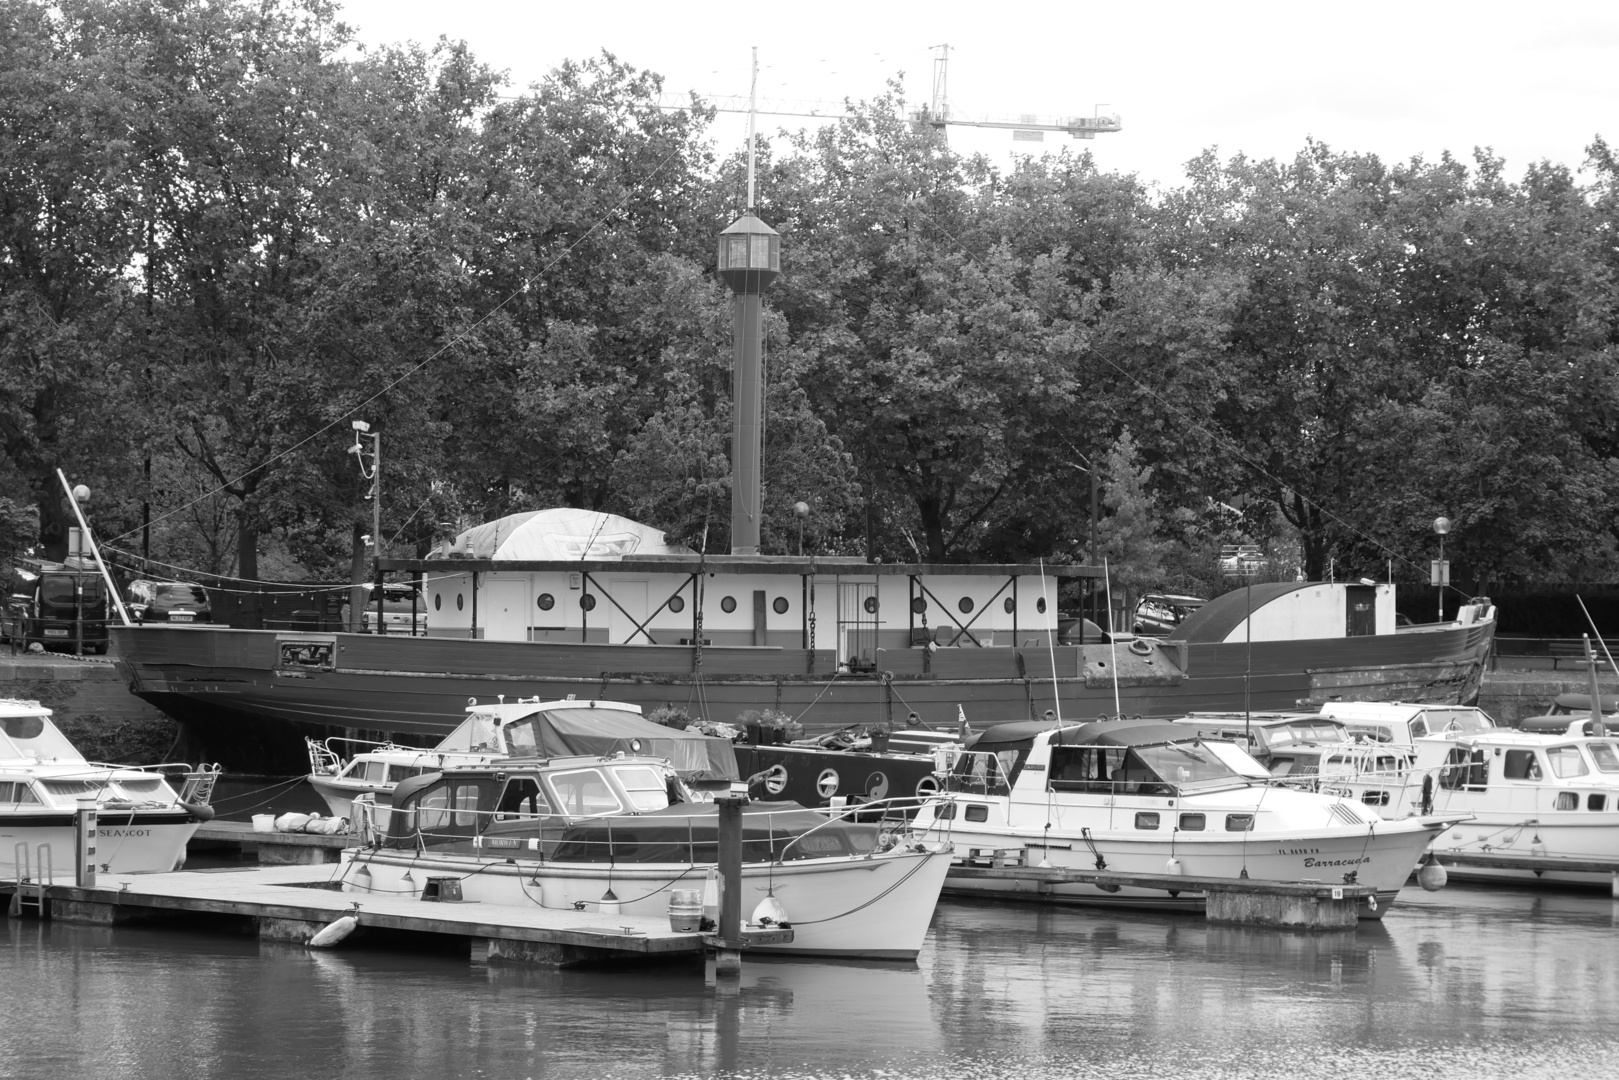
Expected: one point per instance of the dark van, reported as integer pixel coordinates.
(58, 605)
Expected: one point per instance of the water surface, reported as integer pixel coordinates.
(1466, 982)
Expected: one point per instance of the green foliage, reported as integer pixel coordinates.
(225, 231)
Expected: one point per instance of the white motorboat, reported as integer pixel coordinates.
(624, 834)
(1534, 800)
(524, 728)
(1150, 797)
(143, 823)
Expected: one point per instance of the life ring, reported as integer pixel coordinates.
(877, 786)
(827, 783)
(776, 779)
(1140, 647)
(926, 787)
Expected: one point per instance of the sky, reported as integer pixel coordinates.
(1528, 81)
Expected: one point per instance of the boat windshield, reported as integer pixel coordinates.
(1300, 731)
(1182, 764)
(35, 737)
(1605, 757)
(1447, 721)
(645, 788)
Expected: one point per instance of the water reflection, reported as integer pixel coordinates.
(1465, 982)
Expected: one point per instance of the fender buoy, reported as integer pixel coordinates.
(334, 932)
(1140, 647)
(198, 811)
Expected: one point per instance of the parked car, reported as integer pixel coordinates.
(1159, 613)
(168, 601)
(398, 603)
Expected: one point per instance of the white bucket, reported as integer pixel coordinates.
(264, 823)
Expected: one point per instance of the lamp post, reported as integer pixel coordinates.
(1244, 561)
(801, 511)
(1440, 575)
(749, 260)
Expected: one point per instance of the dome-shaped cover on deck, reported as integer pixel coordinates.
(561, 534)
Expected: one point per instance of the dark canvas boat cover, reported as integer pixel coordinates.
(566, 732)
(689, 832)
(1021, 734)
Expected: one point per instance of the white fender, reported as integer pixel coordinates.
(334, 932)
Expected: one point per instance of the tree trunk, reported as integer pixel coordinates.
(55, 518)
(247, 569)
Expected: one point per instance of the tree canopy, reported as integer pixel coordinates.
(227, 230)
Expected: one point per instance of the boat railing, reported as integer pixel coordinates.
(631, 838)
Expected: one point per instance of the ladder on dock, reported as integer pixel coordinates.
(30, 892)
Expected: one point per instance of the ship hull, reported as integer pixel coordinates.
(242, 698)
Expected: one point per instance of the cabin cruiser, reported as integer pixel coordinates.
(142, 822)
(1528, 796)
(523, 728)
(623, 833)
(1402, 723)
(1151, 797)
(1267, 736)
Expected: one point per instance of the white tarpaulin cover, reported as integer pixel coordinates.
(562, 534)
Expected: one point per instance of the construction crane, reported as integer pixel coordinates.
(1025, 128)
(935, 116)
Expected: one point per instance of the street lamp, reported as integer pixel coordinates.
(801, 511)
(1439, 575)
(1244, 561)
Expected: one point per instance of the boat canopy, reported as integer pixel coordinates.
(594, 731)
(561, 534)
(1123, 733)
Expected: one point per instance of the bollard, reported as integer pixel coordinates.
(728, 960)
(84, 831)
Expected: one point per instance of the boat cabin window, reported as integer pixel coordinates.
(1146, 819)
(1193, 822)
(1520, 765)
(1369, 732)
(18, 793)
(1596, 802)
(1605, 757)
(396, 773)
(453, 805)
(521, 798)
(143, 789)
(371, 772)
(1465, 768)
(980, 773)
(1567, 761)
(36, 737)
(69, 790)
(1239, 823)
(644, 785)
(1567, 800)
(1288, 765)
(583, 793)
(1084, 768)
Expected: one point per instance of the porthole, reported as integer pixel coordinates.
(779, 606)
(1007, 605)
(677, 604)
(870, 605)
(460, 601)
(919, 605)
(1040, 605)
(728, 604)
(587, 602)
(965, 604)
(546, 601)
(438, 601)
